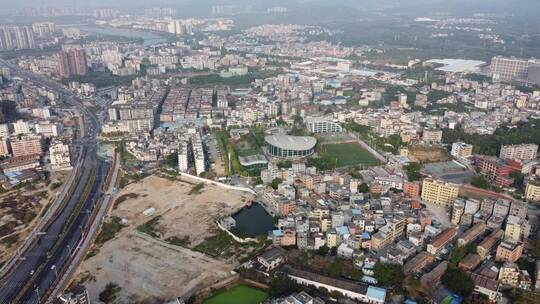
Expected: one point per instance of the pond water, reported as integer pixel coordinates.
(254, 220)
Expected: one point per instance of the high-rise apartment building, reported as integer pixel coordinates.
(16, 38)
(4, 146)
(72, 62)
(183, 160)
(43, 29)
(511, 69)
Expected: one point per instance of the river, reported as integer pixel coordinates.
(149, 38)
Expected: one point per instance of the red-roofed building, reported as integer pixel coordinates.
(415, 204)
(441, 240)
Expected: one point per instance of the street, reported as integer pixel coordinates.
(37, 269)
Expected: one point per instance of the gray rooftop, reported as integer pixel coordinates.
(291, 142)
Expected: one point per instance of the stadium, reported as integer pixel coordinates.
(285, 146)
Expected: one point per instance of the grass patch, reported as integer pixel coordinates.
(150, 227)
(109, 230)
(239, 294)
(196, 189)
(350, 154)
(214, 246)
(176, 241)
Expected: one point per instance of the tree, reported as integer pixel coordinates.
(363, 188)
(172, 160)
(275, 182)
(518, 179)
(298, 120)
(282, 285)
(413, 171)
(284, 164)
(323, 163)
(323, 250)
(457, 281)
(504, 135)
(354, 173)
(109, 294)
(535, 248)
(480, 181)
(390, 275)
(460, 252)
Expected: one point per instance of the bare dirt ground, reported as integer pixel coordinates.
(19, 212)
(148, 269)
(440, 213)
(181, 214)
(428, 153)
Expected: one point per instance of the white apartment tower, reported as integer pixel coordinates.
(183, 161)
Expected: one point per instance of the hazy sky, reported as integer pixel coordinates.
(472, 6)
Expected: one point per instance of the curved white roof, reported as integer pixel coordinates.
(298, 143)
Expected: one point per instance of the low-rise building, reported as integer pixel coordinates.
(272, 258)
(515, 228)
(60, 156)
(433, 277)
(432, 136)
(417, 263)
(532, 190)
(26, 145)
(487, 244)
(471, 234)
(470, 262)
(509, 274)
(510, 252)
(441, 240)
(21, 163)
(322, 125)
(354, 290)
(486, 286)
(519, 152)
(461, 150)
(439, 192)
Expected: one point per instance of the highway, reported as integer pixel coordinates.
(47, 256)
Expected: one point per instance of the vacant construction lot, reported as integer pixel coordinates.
(19, 212)
(150, 257)
(428, 154)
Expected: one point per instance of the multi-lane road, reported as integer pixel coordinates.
(38, 267)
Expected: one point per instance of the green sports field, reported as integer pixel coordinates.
(350, 154)
(239, 294)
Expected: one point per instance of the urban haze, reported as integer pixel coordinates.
(269, 152)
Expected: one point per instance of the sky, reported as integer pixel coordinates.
(462, 6)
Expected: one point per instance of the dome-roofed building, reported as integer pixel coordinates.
(285, 146)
